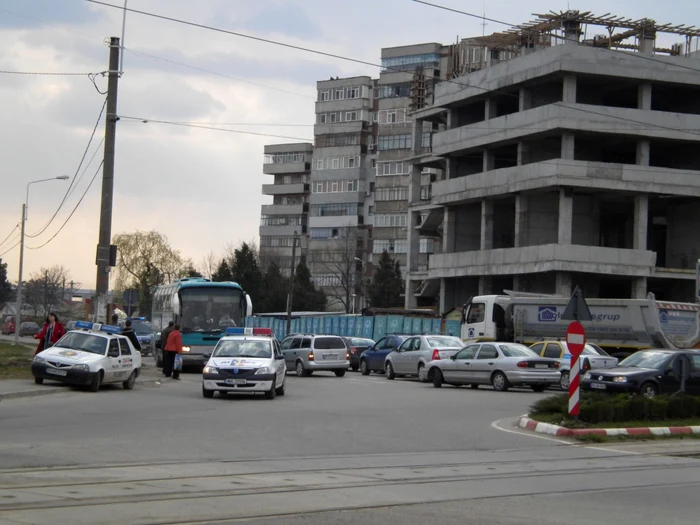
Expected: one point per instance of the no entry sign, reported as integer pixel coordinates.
(575, 338)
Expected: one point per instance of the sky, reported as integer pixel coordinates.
(200, 188)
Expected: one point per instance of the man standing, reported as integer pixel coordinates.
(164, 341)
(129, 332)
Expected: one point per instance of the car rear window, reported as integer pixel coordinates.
(445, 342)
(329, 343)
(517, 351)
(361, 342)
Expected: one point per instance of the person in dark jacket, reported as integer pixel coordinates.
(164, 341)
(129, 332)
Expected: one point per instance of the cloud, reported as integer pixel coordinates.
(284, 19)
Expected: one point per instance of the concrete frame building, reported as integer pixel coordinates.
(573, 163)
(290, 164)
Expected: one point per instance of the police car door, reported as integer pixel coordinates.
(127, 363)
(279, 363)
(114, 361)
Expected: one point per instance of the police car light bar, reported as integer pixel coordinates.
(248, 331)
(97, 327)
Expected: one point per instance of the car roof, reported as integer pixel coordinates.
(246, 337)
(104, 335)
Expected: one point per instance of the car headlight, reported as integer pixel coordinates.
(186, 349)
(587, 375)
(81, 368)
(619, 379)
(265, 370)
(210, 370)
(39, 360)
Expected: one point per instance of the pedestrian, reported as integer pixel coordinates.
(52, 331)
(173, 347)
(165, 333)
(129, 332)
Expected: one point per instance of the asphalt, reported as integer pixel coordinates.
(351, 450)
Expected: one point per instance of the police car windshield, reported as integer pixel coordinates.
(243, 348)
(83, 341)
(142, 327)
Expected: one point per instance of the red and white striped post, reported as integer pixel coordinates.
(575, 341)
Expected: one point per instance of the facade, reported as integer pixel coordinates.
(290, 165)
(572, 163)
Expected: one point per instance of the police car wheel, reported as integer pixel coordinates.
(207, 393)
(280, 390)
(96, 382)
(39, 380)
(272, 393)
(129, 383)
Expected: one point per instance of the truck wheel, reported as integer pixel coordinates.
(129, 383)
(96, 382)
(564, 381)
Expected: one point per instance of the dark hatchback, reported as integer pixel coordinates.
(373, 359)
(649, 372)
(357, 345)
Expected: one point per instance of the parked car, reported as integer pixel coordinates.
(500, 365)
(357, 345)
(313, 353)
(374, 358)
(649, 372)
(590, 358)
(28, 329)
(410, 358)
(8, 327)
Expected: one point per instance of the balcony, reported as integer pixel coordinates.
(285, 189)
(286, 167)
(543, 258)
(284, 209)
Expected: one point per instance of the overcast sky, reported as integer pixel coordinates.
(200, 188)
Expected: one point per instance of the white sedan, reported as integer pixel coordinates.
(90, 358)
(415, 352)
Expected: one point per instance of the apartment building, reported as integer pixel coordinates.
(287, 216)
(568, 161)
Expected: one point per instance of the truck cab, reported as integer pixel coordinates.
(484, 319)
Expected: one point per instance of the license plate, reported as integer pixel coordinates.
(598, 386)
(330, 356)
(55, 372)
(236, 381)
(541, 366)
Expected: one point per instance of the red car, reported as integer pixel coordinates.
(8, 326)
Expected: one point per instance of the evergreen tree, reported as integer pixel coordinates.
(5, 288)
(386, 286)
(223, 272)
(246, 272)
(306, 297)
(275, 287)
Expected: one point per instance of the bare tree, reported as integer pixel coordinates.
(48, 289)
(340, 262)
(209, 264)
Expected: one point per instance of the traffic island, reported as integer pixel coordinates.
(623, 416)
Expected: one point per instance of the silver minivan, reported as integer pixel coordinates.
(310, 353)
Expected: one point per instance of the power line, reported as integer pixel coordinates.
(73, 179)
(10, 249)
(10, 234)
(72, 212)
(213, 128)
(87, 166)
(46, 73)
(270, 124)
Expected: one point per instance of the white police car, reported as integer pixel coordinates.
(245, 360)
(91, 355)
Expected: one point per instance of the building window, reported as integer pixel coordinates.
(322, 117)
(427, 245)
(425, 193)
(393, 116)
(399, 193)
(276, 241)
(324, 96)
(334, 163)
(393, 168)
(338, 139)
(326, 279)
(336, 186)
(334, 210)
(390, 142)
(329, 233)
(390, 246)
(402, 89)
(350, 116)
(395, 220)
(374, 163)
(351, 162)
(284, 158)
(280, 220)
(409, 62)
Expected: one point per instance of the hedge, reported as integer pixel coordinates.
(599, 408)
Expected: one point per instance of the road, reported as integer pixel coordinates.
(352, 450)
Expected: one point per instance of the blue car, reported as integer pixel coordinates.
(372, 359)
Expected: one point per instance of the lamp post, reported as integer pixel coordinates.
(362, 263)
(25, 207)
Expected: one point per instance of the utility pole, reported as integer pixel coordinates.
(104, 251)
(290, 295)
(46, 293)
(18, 308)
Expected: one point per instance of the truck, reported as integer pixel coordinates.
(621, 326)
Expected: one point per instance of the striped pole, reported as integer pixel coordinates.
(574, 382)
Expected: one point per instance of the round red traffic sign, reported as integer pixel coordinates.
(575, 338)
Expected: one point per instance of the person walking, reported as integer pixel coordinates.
(165, 333)
(129, 332)
(173, 347)
(52, 331)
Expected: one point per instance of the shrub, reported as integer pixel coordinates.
(601, 408)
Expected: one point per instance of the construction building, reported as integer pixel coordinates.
(568, 161)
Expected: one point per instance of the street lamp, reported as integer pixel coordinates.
(362, 263)
(25, 207)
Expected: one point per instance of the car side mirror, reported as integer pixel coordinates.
(453, 357)
(279, 357)
(113, 353)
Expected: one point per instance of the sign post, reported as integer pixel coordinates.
(575, 341)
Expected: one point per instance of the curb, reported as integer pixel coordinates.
(61, 389)
(556, 430)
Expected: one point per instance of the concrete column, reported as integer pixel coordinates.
(521, 212)
(448, 231)
(643, 152)
(644, 96)
(414, 182)
(639, 288)
(566, 215)
(452, 119)
(447, 296)
(417, 135)
(485, 285)
(486, 225)
(517, 285)
(567, 145)
(488, 160)
(490, 108)
(413, 241)
(523, 152)
(641, 219)
(451, 168)
(564, 287)
(411, 301)
(525, 99)
(569, 93)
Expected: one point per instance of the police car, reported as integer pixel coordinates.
(91, 355)
(245, 360)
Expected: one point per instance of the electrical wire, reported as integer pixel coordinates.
(46, 73)
(73, 179)
(72, 212)
(10, 234)
(262, 124)
(10, 249)
(87, 167)
(213, 128)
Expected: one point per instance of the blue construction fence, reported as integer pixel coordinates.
(370, 327)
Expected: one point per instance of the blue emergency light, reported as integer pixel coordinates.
(87, 325)
(83, 325)
(110, 329)
(234, 330)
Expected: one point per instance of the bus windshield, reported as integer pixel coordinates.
(210, 309)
